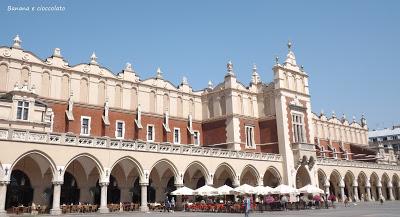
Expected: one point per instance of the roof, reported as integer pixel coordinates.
(384, 132)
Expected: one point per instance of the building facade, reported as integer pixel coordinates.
(81, 133)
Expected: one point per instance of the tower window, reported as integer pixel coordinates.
(22, 110)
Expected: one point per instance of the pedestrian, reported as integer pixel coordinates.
(381, 199)
(284, 201)
(247, 206)
(167, 205)
(346, 200)
(172, 204)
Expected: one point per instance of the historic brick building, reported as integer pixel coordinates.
(125, 137)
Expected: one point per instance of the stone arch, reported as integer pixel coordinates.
(159, 179)
(166, 102)
(65, 86)
(334, 181)
(272, 177)
(349, 180)
(30, 176)
(127, 170)
(395, 184)
(88, 173)
(25, 74)
(362, 184)
(223, 174)
(40, 153)
(249, 175)
(87, 155)
(322, 178)
(101, 92)
(45, 85)
(303, 177)
(84, 90)
(385, 180)
(196, 175)
(118, 96)
(375, 182)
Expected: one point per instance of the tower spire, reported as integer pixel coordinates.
(290, 57)
(229, 67)
(255, 78)
(93, 59)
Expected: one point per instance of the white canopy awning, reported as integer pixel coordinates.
(284, 189)
(183, 191)
(310, 189)
(225, 190)
(206, 190)
(245, 189)
(263, 190)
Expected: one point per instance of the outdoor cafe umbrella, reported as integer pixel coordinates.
(183, 191)
(225, 190)
(245, 189)
(262, 190)
(284, 189)
(206, 190)
(311, 189)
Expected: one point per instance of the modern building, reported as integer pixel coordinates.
(82, 133)
(386, 142)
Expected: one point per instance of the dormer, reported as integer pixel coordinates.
(20, 109)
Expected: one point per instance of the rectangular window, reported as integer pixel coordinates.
(22, 110)
(196, 137)
(298, 128)
(322, 151)
(177, 136)
(150, 133)
(85, 126)
(335, 155)
(249, 137)
(119, 130)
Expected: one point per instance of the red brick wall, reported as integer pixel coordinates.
(269, 134)
(214, 132)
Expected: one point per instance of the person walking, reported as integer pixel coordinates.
(247, 206)
(167, 204)
(172, 204)
(284, 201)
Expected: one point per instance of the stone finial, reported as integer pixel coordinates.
(229, 67)
(184, 80)
(159, 73)
(17, 42)
(354, 118)
(333, 114)
(322, 112)
(93, 59)
(255, 78)
(363, 120)
(276, 60)
(343, 117)
(210, 85)
(290, 57)
(128, 67)
(57, 52)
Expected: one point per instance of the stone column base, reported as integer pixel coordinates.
(55, 211)
(3, 213)
(144, 208)
(104, 210)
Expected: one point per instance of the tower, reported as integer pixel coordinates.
(293, 110)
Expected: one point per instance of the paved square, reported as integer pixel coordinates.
(388, 209)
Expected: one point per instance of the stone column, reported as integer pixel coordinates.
(327, 185)
(143, 204)
(398, 191)
(390, 188)
(103, 198)
(3, 194)
(355, 187)
(56, 198)
(368, 192)
(178, 197)
(379, 187)
(342, 185)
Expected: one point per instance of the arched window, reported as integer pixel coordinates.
(165, 102)
(118, 96)
(24, 75)
(84, 91)
(45, 88)
(179, 107)
(152, 101)
(65, 92)
(251, 107)
(101, 93)
(3, 77)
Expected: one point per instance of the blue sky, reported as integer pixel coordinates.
(350, 49)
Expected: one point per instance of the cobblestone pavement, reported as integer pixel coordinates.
(388, 209)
